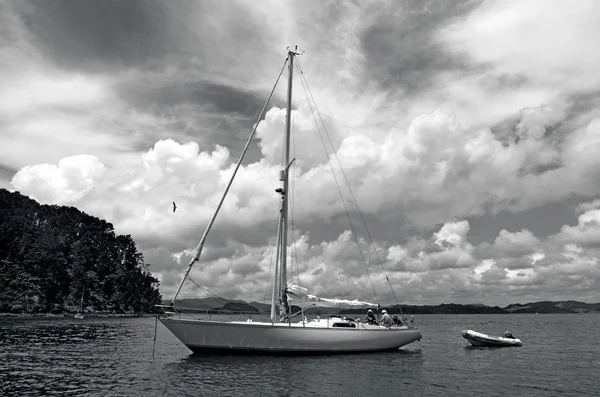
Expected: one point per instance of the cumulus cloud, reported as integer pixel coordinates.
(305, 146)
(66, 183)
(512, 250)
(454, 250)
(585, 234)
(562, 264)
(516, 244)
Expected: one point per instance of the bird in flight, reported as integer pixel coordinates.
(174, 206)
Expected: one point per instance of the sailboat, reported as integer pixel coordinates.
(281, 335)
(79, 314)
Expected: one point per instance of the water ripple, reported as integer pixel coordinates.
(113, 357)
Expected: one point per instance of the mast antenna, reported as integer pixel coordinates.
(296, 51)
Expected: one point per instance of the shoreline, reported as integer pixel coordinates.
(71, 315)
(145, 315)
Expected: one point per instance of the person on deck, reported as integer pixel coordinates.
(371, 318)
(386, 319)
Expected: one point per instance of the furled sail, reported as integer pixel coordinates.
(296, 292)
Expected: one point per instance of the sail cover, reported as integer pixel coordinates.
(297, 292)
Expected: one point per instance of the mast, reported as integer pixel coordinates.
(284, 177)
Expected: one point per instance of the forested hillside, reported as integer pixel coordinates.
(50, 254)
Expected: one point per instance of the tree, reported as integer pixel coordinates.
(49, 254)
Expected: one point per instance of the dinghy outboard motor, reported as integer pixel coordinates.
(508, 335)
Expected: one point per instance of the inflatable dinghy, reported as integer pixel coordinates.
(479, 339)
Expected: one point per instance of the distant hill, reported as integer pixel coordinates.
(219, 305)
(226, 305)
(199, 303)
(451, 308)
(235, 307)
(262, 307)
(553, 307)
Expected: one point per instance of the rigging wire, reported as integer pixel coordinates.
(293, 202)
(273, 248)
(302, 80)
(211, 295)
(349, 188)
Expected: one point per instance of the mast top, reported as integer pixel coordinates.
(295, 51)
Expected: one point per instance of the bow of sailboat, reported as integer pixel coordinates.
(289, 299)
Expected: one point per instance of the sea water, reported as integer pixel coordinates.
(113, 357)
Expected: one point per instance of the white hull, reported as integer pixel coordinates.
(479, 339)
(310, 337)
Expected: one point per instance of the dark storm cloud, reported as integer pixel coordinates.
(166, 60)
(206, 112)
(110, 34)
(170, 60)
(85, 33)
(400, 49)
(217, 98)
(581, 108)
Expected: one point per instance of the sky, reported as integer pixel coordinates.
(468, 131)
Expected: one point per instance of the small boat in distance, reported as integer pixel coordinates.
(479, 339)
(79, 314)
